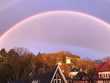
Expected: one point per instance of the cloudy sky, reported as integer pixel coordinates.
(13, 11)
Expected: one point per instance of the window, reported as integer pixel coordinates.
(100, 76)
(57, 81)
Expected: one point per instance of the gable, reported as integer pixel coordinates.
(58, 76)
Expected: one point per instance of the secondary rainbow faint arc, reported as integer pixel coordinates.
(43, 14)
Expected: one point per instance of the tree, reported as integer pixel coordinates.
(3, 52)
(17, 67)
(5, 73)
(3, 56)
(20, 64)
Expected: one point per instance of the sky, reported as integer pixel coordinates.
(14, 11)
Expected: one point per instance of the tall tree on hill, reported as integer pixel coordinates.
(19, 65)
(20, 62)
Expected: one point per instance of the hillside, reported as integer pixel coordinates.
(44, 62)
(60, 56)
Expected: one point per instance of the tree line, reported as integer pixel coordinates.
(21, 64)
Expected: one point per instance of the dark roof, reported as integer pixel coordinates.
(75, 69)
(81, 76)
(105, 66)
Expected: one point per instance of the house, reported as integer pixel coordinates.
(103, 70)
(73, 72)
(58, 76)
(104, 75)
(68, 60)
(54, 76)
(59, 73)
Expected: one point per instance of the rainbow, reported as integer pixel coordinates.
(98, 41)
(53, 12)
